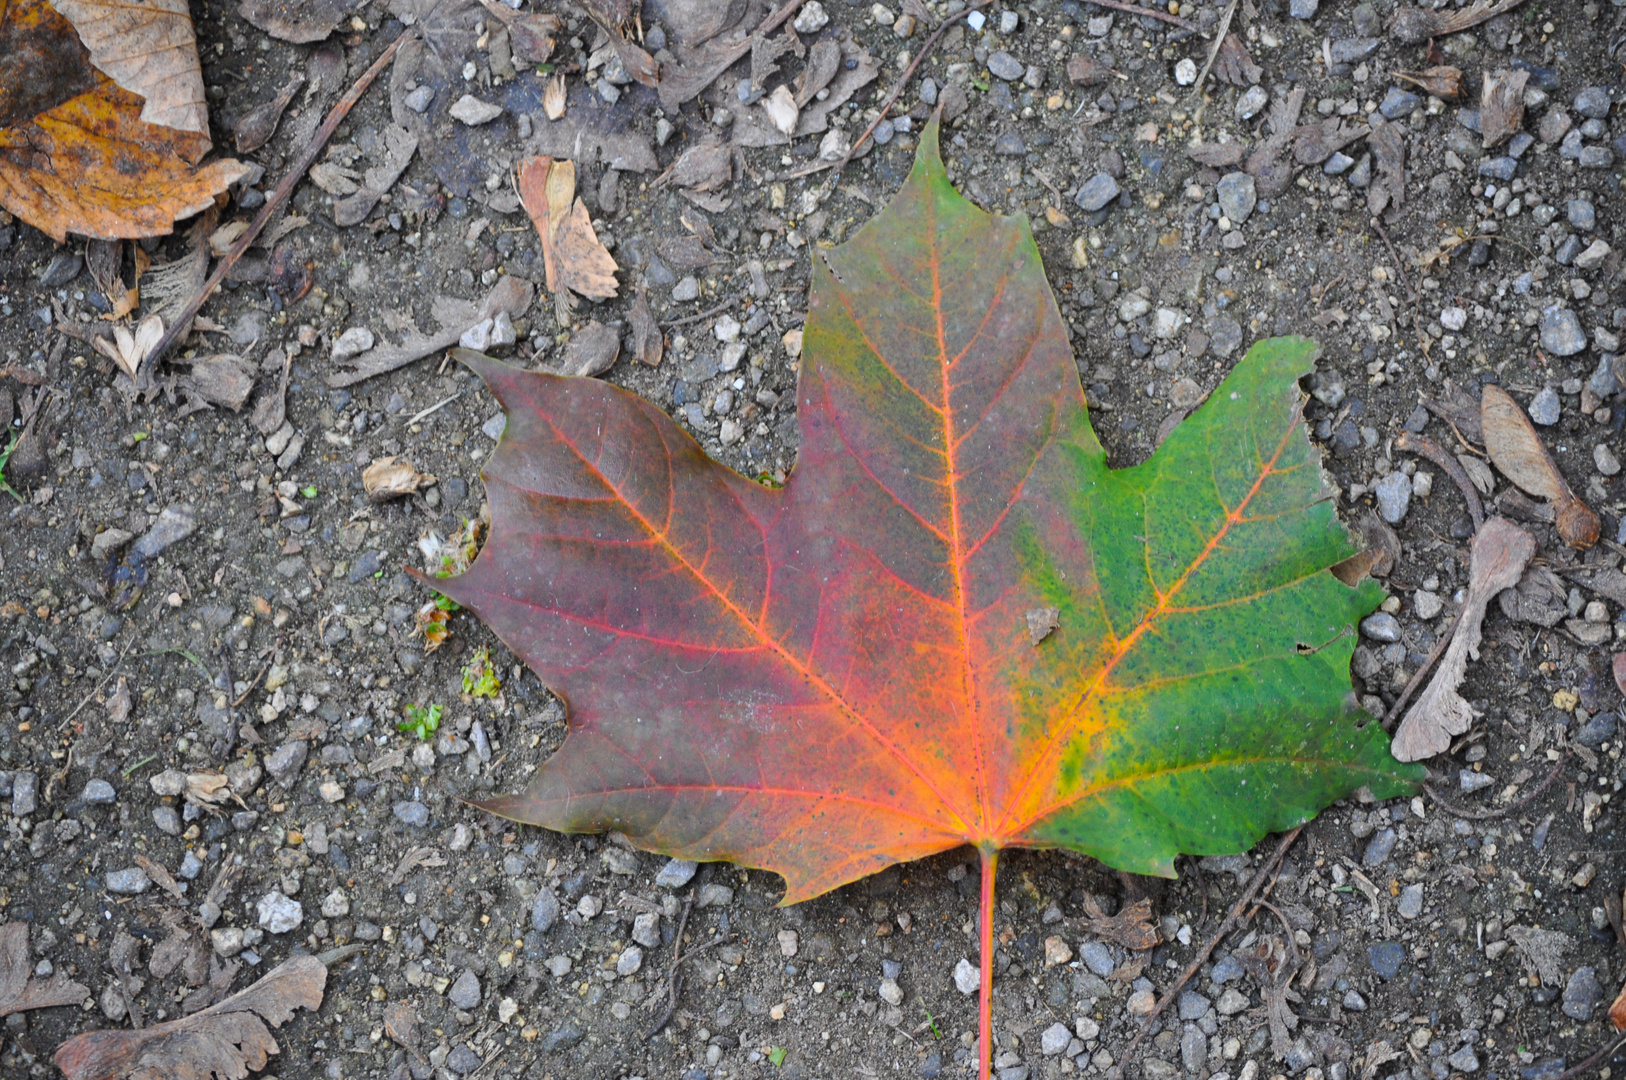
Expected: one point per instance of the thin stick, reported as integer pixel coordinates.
(1219, 43)
(1489, 815)
(1426, 447)
(708, 313)
(284, 188)
(1213, 942)
(98, 688)
(1131, 9)
(1598, 1058)
(985, 1003)
(1434, 654)
(674, 982)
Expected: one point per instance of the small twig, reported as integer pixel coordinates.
(98, 688)
(1392, 717)
(1603, 1054)
(1219, 43)
(436, 407)
(674, 982)
(1489, 815)
(687, 319)
(1212, 943)
(284, 188)
(1400, 267)
(148, 760)
(1426, 447)
(1131, 9)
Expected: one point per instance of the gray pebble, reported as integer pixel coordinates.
(1224, 336)
(191, 866)
(1605, 460)
(1354, 50)
(1010, 145)
(412, 813)
(1005, 66)
(1054, 1039)
(1099, 190)
(630, 960)
(686, 289)
(1499, 168)
(1583, 215)
(1393, 494)
(99, 793)
(1237, 196)
(279, 914)
(1379, 848)
(418, 100)
(1338, 164)
(1545, 408)
(1232, 1002)
(1596, 731)
(1411, 901)
(1386, 958)
(1381, 626)
(1593, 257)
(1098, 958)
(1193, 1006)
(1582, 994)
(167, 819)
(1561, 335)
(646, 929)
(1464, 1060)
(967, 977)
(1398, 103)
(285, 761)
(1353, 1001)
(463, 1060)
(1252, 102)
(129, 882)
(1596, 157)
(714, 895)
(544, 911)
(465, 992)
(25, 788)
(1593, 102)
(1303, 9)
(676, 873)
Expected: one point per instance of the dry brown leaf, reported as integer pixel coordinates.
(118, 704)
(127, 349)
(1131, 927)
(1617, 1011)
(1415, 25)
(1388, 148)
(1380, 551)
(390, 477)
(78, 152)
(1618, 668)
(705, 166)
(298, 21)
(1501, 105)
(1518, 451)
(1315, 143)
(225, 1040)
(223, 379)
(1217, 155)
(1443, 81)
(823, 64)
(255, 127)
(572, 257)
(530, 36)
(1042, 622)
(19, 992)
(1501, 551)
(647, 342)
(401, 1025)
(1234, 65)
(553, 97)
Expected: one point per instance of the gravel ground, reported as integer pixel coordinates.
(272, 636)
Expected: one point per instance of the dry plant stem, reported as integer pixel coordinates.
(285, 188)
(1212, 943)
(985, 995)
(1598, 1058)
(1392, 717)
(1151, 13)
(1214, 51)
(1489, 815)
(1426, 447)
(708, 313)
(673, 980)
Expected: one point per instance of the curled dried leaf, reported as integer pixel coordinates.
(1501, 105)
(1088, 71)
(391, 477)
(647, 341)
(1414, 25)
(1501, 551)
(572, 257)
(553, 97)
(1131, 927)
(1234, 65)
(1518, 451)
(227, 1039)
(1443, 81)
(1042, 622)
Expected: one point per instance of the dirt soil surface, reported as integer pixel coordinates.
(254, 605)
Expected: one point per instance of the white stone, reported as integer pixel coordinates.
(474, 112)
(967, 977)
(1133, 307)
(278, 913)
(782, 111)
(1454, 318)
(726, 328)
(335, 905)
(1167, 323)
(1185, 73)
(812, 18)
(890, 992)
(353, 342)
(834, 145)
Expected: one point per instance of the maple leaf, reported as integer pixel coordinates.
(102, 118)
(839, 675)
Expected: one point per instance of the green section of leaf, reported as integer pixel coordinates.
(776, 1056)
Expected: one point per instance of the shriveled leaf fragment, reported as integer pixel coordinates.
(1042, 622)
(705, 166)
(391, 477)
(1501, 551)
(755, 677)
(530, 34)
(1618, 669)
(1442, 80)
(553, 97)
(1540, 598)
(225, 1040)
(1132, 927)
(128, 349)
(1380, 551)
(1234, 65)
(1517, 450)
(255, 127)
(511, 293)
(823, 64)
(572, 257)
(1413, 25)
(647, 342)
(298, 21)
(19, 990)
(1388, 148)
(1543, 951)
(1501, 105)
(223, 379)
(1216, 154)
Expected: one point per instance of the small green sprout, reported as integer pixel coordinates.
(480, 677)
(420, 721)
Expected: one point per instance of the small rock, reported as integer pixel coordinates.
(1193, 1006)
(1354, 50)
(1231, 1002)
(474, 112)
(890, 992)
(418, 100)
(1582, 214)
(1251, 102)
(1237, 196)
(1596, 731)
(1453, 318)
(167, 819)
(714, 895)
(1381, 626)
(812, 18)
(1098, 958)
(687, 288)
(1411, 901)
(1353, 1001)
(227, 941)
(676, 873)
(1185, 72)
(99, 793)
(1379, 848)
(1398, 103)
(1166, 323)
(1593, 256)
(478, 336)
(630, 961)
(1545, 408)
(1386, 958)
(1005, 66)
(353, 342)
(1010, 145)
(646, 929)
(108, 541)
(279, 914)
(545, 911)
(465, 992)
(1471, 781)
(1393, 494)
(285, 761)
(1054, 1039)
(1133, 307)
(1582, 994)
(335, 905)
(1561, 332)
(834, 146)
(463, 1060)
(1593, 102)
(174, 524)
(1097, 192)
(1056, 952)
(1464, 1060)
(1605, 460)
(1303, 9)
(413, 813)
(967, 977)
(129, 882)
(1141, 1003)
(63, 268)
